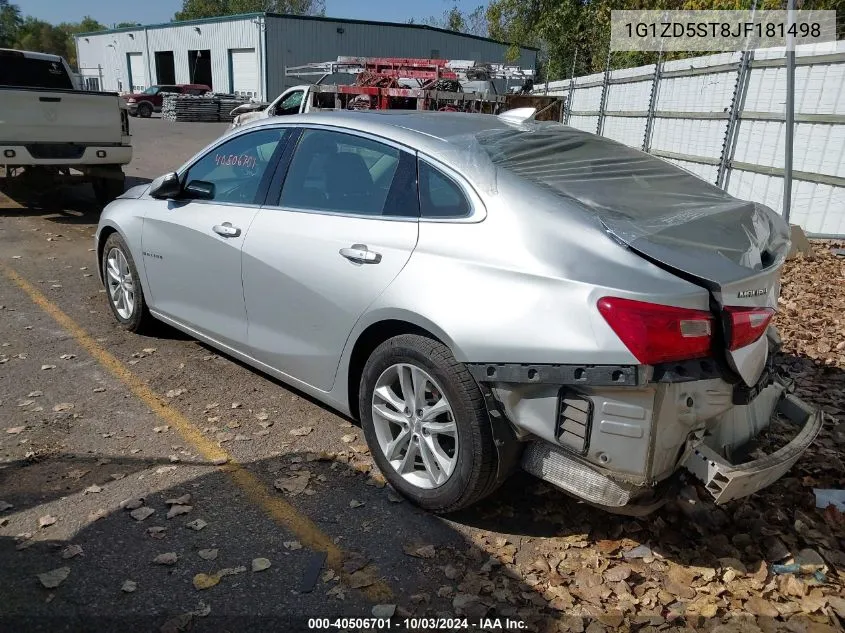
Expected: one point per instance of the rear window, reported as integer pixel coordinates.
(610, 178)
(27, 72)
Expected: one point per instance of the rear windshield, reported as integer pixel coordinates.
(607, 177)
(27, 72)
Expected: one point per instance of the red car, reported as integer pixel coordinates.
(143, 104)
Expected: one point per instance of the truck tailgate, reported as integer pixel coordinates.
(32, 115)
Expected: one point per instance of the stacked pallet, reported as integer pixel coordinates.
(213, 108)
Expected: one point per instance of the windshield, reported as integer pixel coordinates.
(152, 90)
(30, 72)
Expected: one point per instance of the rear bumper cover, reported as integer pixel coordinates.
(19, 155)
(726, 481)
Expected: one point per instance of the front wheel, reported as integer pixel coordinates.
(426, 425)
(145, 110)
(123, 285)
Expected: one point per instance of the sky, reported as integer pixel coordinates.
(154, 11)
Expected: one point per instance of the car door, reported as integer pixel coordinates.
(192, 244)
(343, 226)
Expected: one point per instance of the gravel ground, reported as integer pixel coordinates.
(91, 416)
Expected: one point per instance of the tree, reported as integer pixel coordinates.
(473, 23)
(37, 35)
(86, 25)
(196, 9)
(10, 22)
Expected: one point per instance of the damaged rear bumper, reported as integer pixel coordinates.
(726, 481)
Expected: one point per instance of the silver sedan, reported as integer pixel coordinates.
(483, 293)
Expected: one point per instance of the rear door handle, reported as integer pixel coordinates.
(360, 254)
(226, 229)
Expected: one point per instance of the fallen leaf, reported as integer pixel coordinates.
(26, 403)
(141, 513)
(761, 607)
(242, 438)
(132, 503)
(34, 394)
(394, 498)
(196, 524)
(54, 578)
(99, 389)
(208, 554)
(349, 438)
(260, 564)
(168, 558)
(96, 515)
(5, 505)
(362, 578)
(177, 624)
(93, 489)
(71, 551)
(383, 611)
(46, 367)
(176, 510)
(420, 551)
(263, 415)
(173, 393)
(149, 350)
(295, 484)
(231, 571)
(179, 501)
(236, 405)
(67, 356)
(156, 532)
(618, 573)
(301, 431)
(292, 545)
(46, 520)
(354, 503)
(15, 430)
(63, 406)
(161, 429)
(128, 586)
(205, 581)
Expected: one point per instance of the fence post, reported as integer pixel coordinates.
(568, 103)
(604, 85)
(652, 100)
(737, 104)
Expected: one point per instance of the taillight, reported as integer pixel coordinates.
(657, 333)
(746, 325)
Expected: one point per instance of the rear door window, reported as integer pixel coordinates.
(30, 72)
(343, 173)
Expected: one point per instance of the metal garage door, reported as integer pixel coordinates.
(137, 76)
(243, 71)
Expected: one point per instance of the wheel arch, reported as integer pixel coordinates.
(376, 333)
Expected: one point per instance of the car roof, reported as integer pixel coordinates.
(434, 132)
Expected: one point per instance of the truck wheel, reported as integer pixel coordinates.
(145, 110)
(426, 424)
(108, 184)
(123, 285)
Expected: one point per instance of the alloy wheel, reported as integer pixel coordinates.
(121, 285)
(415, 425)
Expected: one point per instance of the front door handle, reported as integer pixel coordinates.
(226, 229)
(360, 254)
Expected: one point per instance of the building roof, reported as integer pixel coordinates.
(244, 16)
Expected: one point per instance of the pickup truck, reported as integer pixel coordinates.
(291, 101)
(143, 104)
(52, 133)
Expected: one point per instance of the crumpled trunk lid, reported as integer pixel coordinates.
(732, 247)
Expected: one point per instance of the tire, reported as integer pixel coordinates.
(138, 318)
(108, 184)
(473, 471)
(145, 110)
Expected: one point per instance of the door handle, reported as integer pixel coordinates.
(360, 254)
(226, 229)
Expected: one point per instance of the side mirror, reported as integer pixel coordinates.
(166, 186)
(199, 190)
(247, 107)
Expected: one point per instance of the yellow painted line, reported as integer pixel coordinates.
(279, 510)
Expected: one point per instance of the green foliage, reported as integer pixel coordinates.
(197, 9)
(10, 22)
(472, 22)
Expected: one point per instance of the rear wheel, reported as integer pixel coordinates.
(145, 110)
(426, 424)
(123, 286)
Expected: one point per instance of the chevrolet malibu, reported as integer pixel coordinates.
(483, 293)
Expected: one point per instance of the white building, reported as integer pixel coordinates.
(248, 53)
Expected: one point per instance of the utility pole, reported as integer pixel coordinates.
(790, 109)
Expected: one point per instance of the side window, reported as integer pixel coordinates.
(332, 171)
(290, 104)
(234, 171)
(440, 196)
